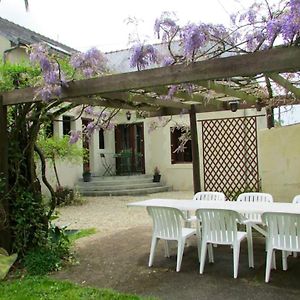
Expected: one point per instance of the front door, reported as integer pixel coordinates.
(129, 140)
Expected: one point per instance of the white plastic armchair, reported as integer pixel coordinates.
(253, 219)
(296, 199)
(167, 225)
(206, 196)
(283, 233)
(254, 197)
(209, 196)
(219, 226)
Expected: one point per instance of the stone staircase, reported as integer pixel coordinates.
(120, 185)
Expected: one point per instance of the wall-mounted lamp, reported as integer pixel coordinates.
(233, 105)
(128, 115)
(258, 105)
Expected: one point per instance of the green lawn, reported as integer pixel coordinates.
(41, 287)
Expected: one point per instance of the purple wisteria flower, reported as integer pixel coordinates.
(53, 77)
(167, 25)
(143, 56)
(89, 110)
(193, 38)
(90, 63)
(74, 136)
(168, 61)
(172, 91)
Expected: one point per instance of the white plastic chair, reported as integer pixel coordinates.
(253, 219)
(296, 199)
(206, 196)
(209, 196)
(167, 225)
(219, 226)
(283, 233)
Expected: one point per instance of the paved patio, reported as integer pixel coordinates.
(118, 260)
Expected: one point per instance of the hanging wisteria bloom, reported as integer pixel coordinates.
(74, 136)
(90, 63)
(193, 38)
(143, 56)
(166, 25)
(265, 25)
(52, 75)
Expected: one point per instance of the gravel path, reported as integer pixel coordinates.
(111, 214)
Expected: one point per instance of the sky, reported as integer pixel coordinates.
(83, 24)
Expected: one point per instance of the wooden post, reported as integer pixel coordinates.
(195, 150)
(5, 233)
(270, 117)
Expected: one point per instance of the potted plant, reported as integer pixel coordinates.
(86, 175)
(156, 175)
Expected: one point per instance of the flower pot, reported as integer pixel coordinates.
(156, 177)
(86, 177)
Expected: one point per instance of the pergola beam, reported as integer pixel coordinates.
(285, 83)
(136, 97)
(226, 90)
(270, 61)
(109, 103)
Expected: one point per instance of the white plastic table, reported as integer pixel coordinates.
(241, 207)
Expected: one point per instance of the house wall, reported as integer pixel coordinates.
(158, 147)
(280, 162)
(4, 44)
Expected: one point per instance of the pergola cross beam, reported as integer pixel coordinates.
(270, 61)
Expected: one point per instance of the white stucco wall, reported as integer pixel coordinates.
(280, 162)
(158, 147)
(4, 45)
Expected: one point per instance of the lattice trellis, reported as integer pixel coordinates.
(230, 155)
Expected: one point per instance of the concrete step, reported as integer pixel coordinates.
(90, 186)
(127, 192)
(120, 185)
(119, 178)
(114, 182)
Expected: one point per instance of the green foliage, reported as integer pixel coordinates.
(18, 75)
(50, 257)
(41, 261)
(28, 224)
(82, 233)
(37, 287)
(59, 148)
(66, 196)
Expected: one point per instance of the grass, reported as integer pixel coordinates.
(81, 233)
(41, 287)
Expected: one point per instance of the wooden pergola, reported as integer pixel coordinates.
(214, 84)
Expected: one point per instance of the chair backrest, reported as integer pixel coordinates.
(254, 197)
(296, 199)
(167, 221)
(209, 196)
(283, 230)
(219, 225)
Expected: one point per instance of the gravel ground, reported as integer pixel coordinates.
(116, 257)
(111, 214)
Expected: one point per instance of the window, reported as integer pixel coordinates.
(66, 125)
(178, 156)
(101, 139)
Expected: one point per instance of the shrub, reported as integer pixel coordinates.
(67, 196)
(41, 261)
